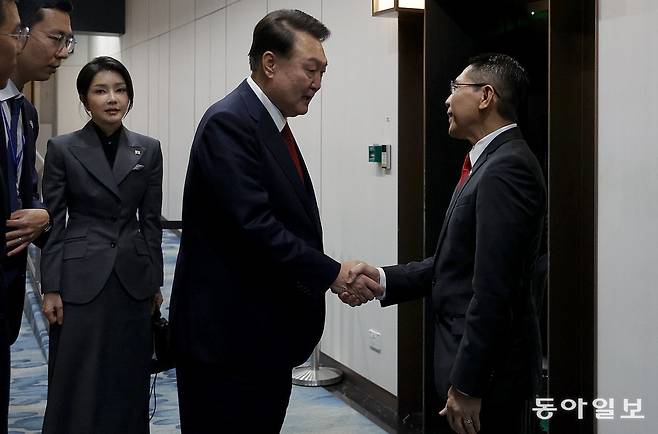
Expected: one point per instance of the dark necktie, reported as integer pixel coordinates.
(292, 149)
(466, 170)
(13, 156)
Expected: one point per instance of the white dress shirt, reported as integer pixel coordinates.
(275, 113)
(481, 145)
(8, 92)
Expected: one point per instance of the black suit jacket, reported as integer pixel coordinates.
(5, 368)
(113, 215)
(4, 214)
(28, 185)
(29, 195)
(250, 276)
(486, 328)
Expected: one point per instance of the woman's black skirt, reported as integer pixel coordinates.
(98, 368)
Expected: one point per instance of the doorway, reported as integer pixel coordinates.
(558, 50)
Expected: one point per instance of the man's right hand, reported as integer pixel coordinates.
(53, 307)
(361, 283)
(347, 291)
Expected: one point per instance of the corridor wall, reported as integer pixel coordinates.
(185, 55)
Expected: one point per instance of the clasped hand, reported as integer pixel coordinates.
(357, 283)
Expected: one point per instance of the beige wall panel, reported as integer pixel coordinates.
(201, 68)
(311, 7)
(182, 12)
(627, 231)
(70, 113)
(139, 72)
(181, 113)
(207, 7)
(217, 55)
(240, 19)
(359, 200)
(159, 17)
(139, 22)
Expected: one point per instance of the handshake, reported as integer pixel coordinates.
(357, 283)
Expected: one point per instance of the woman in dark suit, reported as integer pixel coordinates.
(101, 268)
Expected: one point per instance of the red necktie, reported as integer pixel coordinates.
(292, 149)
(466, 170)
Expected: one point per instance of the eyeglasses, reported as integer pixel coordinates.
(21, 35)
(63, 41)
(454, 86)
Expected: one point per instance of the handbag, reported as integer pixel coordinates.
(163, 355)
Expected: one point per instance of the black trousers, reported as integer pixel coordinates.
(224, 398)
(14, 268)
(5, 368)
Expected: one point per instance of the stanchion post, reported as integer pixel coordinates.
(315, 375)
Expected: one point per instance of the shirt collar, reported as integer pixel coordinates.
(275, 113)
(482, 144)
(112, 139)
(9, 91)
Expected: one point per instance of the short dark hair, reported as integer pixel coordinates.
(275, 33)
(507, 76)
(31, 11)
(103, 63)
(2, 9)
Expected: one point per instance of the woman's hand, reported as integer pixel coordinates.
(157, 301)
(53, 307)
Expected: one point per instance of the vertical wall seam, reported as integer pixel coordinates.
(169, 213)
(321, 179)
(226, 50)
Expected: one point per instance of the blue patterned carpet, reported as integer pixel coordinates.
(311, 410)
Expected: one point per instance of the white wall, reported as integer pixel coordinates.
(628, 207)
(185, 55)
(359, 202)
(70, 114)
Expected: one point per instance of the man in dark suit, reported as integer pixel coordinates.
(51, 41)
(248, 296)
(12, 37)
(486, 355)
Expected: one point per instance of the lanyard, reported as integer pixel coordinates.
(13, 141)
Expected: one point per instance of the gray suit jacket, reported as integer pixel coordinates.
(113, 215)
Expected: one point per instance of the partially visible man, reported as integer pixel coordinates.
(12, 37)
(247, 303)
(487, 354)
(50, 42)
(10, 30)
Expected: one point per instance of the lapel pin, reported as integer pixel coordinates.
(138, 152)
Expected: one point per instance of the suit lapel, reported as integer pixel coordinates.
(3, 148)
(29, 155)
(28, 125)
(3, 168)
(503, 137)
(89, 152)
(128, 154)
(312, 200)
(273, 140)
(278, 147)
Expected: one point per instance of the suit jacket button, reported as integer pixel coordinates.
(113, 244)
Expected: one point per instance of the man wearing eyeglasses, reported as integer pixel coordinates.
(50, 42)
(10, 45)
(486, 341)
